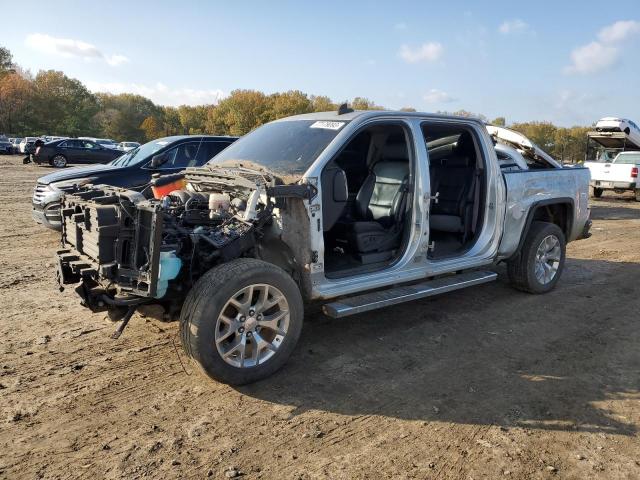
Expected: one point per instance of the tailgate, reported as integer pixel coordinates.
(610, 172)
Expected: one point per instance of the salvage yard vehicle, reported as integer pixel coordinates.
(5, 145)
(611, 136)
(619, 175)
(132, 170)
(356, 209)
(60, 153)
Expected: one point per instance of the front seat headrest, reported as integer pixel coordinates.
(394, 151)
(465, 146)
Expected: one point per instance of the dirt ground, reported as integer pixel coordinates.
(482, 383)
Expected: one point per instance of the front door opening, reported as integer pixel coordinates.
(366, 200)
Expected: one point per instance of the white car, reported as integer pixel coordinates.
(127, 146)
(25, 140)
(613, 124)
(15, 143)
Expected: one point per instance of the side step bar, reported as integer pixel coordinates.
(393, 296)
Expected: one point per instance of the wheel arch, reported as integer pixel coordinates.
(559, 211)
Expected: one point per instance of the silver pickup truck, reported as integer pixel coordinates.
(357, 210)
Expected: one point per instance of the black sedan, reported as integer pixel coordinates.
(5, 146)
(59, 153)
(133, 170)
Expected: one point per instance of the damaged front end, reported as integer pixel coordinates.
(123, 249)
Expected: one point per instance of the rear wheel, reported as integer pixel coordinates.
(638, 195)
(242, 320)
(596, 192)
(59, 161)
(539, 265)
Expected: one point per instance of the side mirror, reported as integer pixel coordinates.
(157, 160)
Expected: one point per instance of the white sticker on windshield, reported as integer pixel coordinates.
(328, 125)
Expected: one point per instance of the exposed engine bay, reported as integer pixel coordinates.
(125, 248)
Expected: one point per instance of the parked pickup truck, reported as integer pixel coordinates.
(357, 210)
(619, 175)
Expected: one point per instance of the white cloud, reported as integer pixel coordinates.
(604, 52)
(161, 94)
(515, 25)
(438, 96)
(619, 31)
(427, 52)
(68, 47)
(115, 60)
(592, 58)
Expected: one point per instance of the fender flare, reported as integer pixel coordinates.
(568, 201)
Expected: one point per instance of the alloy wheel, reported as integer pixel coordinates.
(252, 325)
(547, 260)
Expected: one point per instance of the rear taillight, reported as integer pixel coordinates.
(634, 172)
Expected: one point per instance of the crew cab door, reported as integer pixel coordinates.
(466, 197)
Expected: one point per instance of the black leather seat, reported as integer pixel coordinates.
(453, 179)
(380, 205)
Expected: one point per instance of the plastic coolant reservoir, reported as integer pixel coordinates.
(219, 201)
(169, 269)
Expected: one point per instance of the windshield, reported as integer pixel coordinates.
(140, 154)
(285, 147)
(627, 158)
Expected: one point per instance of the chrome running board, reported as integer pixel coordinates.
(406, 293)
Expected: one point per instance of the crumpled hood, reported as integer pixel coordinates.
(79, 172)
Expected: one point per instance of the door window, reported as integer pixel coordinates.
(72, 144)
(89, 145)
(208, 150)
(185, 155)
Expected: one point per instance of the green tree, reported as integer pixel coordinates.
(64, 105)
(171, 121)
(322, 104)
(499, 121)
(192, 119)
(16, 104)
(152, 128)
(289, 103)
(541, 133)
(239, 113)
(362, 103)
(6, 61)
(121, 116)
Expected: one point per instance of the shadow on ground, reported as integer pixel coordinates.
(486, 355)
(614, 208)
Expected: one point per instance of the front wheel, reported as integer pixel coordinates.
(59, 161)
(539, 264)
(242, 320)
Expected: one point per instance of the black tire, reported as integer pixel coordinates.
(205, 302)
(522, 268)
(596, 192)
(58, 161)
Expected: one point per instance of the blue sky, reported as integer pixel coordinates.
(566, 62)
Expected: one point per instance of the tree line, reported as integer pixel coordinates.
(51, 103)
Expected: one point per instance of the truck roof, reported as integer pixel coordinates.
(364, 114)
